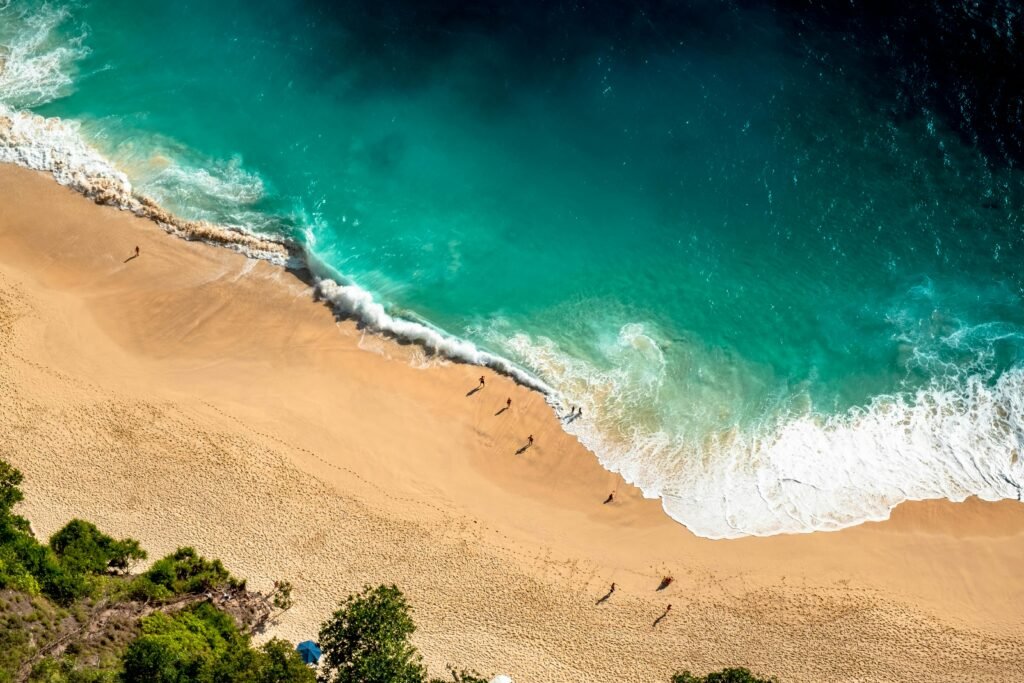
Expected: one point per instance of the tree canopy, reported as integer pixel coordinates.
(367, 640)
(203, 645)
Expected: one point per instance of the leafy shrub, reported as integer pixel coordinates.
(83, 548)
(187, 572)
(50, 670)
(202, 644)
(367, 640)
(61, 571)
(10, 494)
(280, 663)
(14, 574)
(56, 582)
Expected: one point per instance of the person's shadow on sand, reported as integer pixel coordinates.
(659, 619)
(474, 390)
(130, 258)
(501, 411)
(605, 597)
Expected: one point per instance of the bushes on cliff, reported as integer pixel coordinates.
(63, 570)
(84, 549)
(184, 572)
(202, 644)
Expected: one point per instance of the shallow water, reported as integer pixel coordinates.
(786, 295)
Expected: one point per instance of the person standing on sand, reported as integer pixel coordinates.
(529, 439)
(136, 252)
(481, 381)
(508, 403)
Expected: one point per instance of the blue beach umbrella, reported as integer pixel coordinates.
(309, 652)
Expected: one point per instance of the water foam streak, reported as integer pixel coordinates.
(818, 473)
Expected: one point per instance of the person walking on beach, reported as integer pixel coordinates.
(481, 381)
(529, 440)
(610, 498)
(136, 251)
(508, 403)
(612, 589)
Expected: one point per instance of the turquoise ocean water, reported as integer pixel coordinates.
(785, 299)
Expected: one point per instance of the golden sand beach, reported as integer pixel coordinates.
(191, 396)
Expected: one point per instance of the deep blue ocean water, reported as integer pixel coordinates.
(784, 285)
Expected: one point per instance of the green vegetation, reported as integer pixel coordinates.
(203, 644)
(71, 613)
(83, 549)
(70, 567)
(723, 676)
(367, 640)
(183, 573)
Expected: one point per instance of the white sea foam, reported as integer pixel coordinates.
(36, 64)
(800, 474)
(58, 147)
(811, 472)
(352, 301)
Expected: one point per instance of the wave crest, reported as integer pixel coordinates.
(352, 301)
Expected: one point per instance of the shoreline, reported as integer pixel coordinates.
(54, 146)
(203, 385)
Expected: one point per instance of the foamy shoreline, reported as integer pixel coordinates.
(54, 146)
(799, 498)
(190, 397)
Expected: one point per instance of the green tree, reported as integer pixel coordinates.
(733, 675)
(10, 494)
(204, 645)
(83, 548)
(367, 640)
(280, 663)
(183, 572)
(197, 644)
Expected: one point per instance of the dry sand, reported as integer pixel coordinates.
(194, 397)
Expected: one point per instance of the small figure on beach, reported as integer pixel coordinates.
(579, 413)
(664, 614)
(666, 581)
(610, 498)
(481, 381)
(136, 250)
(508, 403)
(604, 598)
(529, 440)
(612, 589)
